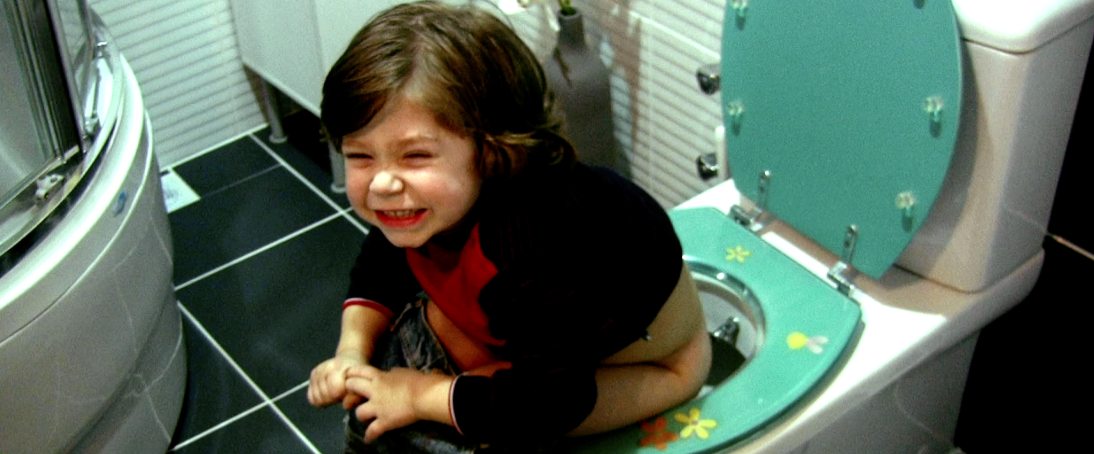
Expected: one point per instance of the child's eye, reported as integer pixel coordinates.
(418, 155)
(358, 157)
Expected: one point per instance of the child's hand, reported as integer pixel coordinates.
(398, 397)
(327, 384)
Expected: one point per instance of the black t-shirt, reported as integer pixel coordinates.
(585, 261)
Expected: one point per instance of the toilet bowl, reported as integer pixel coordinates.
(733, 319)
(893, 166)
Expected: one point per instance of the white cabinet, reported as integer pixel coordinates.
(292, 43)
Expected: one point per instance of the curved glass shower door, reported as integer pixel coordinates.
(60, 102)
(92, 357)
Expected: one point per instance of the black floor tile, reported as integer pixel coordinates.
(226, 166)
(1070, 218)
(307, 152)
(1025, 369)
(233, 222)
(215, 391)
(323, 426)
(259, 432)
(278, 313)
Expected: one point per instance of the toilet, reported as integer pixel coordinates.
(893, 169)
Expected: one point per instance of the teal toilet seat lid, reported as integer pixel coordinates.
(851, 106)
(807, 328)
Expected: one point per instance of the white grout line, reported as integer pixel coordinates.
(216, 346)
(219, 426)
(299, 434)
(345, 213)
(1072, 246)
(212, 148)
(277, 409)
(260, 250)
(351, 216)
(290, 391)
(266, 401)
(277, 157)
(323, 195)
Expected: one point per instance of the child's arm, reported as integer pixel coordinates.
(361, 327)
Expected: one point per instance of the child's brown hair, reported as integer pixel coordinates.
(466, 66)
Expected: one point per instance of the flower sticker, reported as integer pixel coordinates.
(694, 424)
(798, 340)
(738, 254)
(657, 434)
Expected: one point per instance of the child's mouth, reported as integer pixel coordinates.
(399, 213)
(400, 218)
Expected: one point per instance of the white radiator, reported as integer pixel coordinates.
(186, 60)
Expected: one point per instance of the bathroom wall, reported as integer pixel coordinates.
(652, 48)
(184, 56)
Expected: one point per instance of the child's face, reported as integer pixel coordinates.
(408, 175)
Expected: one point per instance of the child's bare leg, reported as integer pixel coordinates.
(650, 376)
(633, 392)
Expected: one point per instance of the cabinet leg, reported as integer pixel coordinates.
(337, 169)
(273, 115)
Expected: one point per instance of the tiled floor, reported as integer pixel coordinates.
(261, 264)
(1025, 369)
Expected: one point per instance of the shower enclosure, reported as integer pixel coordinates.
(91, 351)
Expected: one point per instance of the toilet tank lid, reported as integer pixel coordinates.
(1019, 26)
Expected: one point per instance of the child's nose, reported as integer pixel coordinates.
(386, 182)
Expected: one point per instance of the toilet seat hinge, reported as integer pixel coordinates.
(750, 217)
(842, 273)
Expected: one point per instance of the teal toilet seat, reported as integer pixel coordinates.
(840, 116)
(807, 328)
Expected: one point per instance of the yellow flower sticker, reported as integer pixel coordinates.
(798, 340)
(694, 424)
(738, 254)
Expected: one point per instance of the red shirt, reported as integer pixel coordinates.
(453, 280)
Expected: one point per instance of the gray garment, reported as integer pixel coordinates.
(411, 344)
